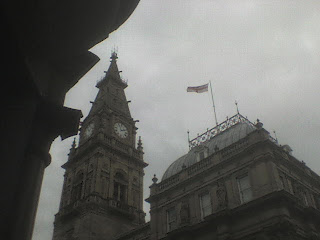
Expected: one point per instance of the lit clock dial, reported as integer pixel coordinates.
(121, 130)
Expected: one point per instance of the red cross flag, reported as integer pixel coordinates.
(198, 89)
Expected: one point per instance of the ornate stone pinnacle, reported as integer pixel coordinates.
(140, 148)
(73, 146)
(259, 124)
(154, 179)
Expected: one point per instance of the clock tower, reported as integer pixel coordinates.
(102, 192)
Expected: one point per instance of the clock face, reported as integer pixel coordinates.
(89, 130)
(121, 130)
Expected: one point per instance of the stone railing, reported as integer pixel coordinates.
(169, 182)
(121, 146)
(120, 205)
(200, 166)
(109, 202)
(234, 149)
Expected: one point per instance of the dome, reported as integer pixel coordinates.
(222, 140)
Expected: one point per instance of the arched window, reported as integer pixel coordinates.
(77, 188)
(120, 187)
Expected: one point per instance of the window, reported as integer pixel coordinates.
(304, 198)
(135, 197)
(202, 154)
(171, 219)
(290, 185)
(119, 192)
(77, 188)
(244, 188)
(120, 188)
(282, 182)
(205, 205)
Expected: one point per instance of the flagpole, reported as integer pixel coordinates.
(214, 108)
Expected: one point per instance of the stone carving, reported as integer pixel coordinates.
(221, 196)
(184, 213)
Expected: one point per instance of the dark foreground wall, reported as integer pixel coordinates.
(44, 53)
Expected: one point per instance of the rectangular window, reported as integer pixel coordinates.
(290, 185)
(202, 154)
(244, 188)
(282, 182)
(205, 205)
(171, 219)
(304, 198)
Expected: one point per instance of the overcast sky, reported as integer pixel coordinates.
(263, 53)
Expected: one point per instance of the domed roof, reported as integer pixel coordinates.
(222, 140)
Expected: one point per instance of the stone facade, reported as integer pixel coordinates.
(256, 190)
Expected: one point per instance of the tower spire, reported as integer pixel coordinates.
(111, 90)
(113, 70)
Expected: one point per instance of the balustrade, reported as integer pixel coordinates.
(168, 182)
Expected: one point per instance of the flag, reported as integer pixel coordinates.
(198, 89)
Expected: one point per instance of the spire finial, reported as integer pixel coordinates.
(236, 103)
(114, 56)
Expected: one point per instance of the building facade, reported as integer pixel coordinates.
(236, 182)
